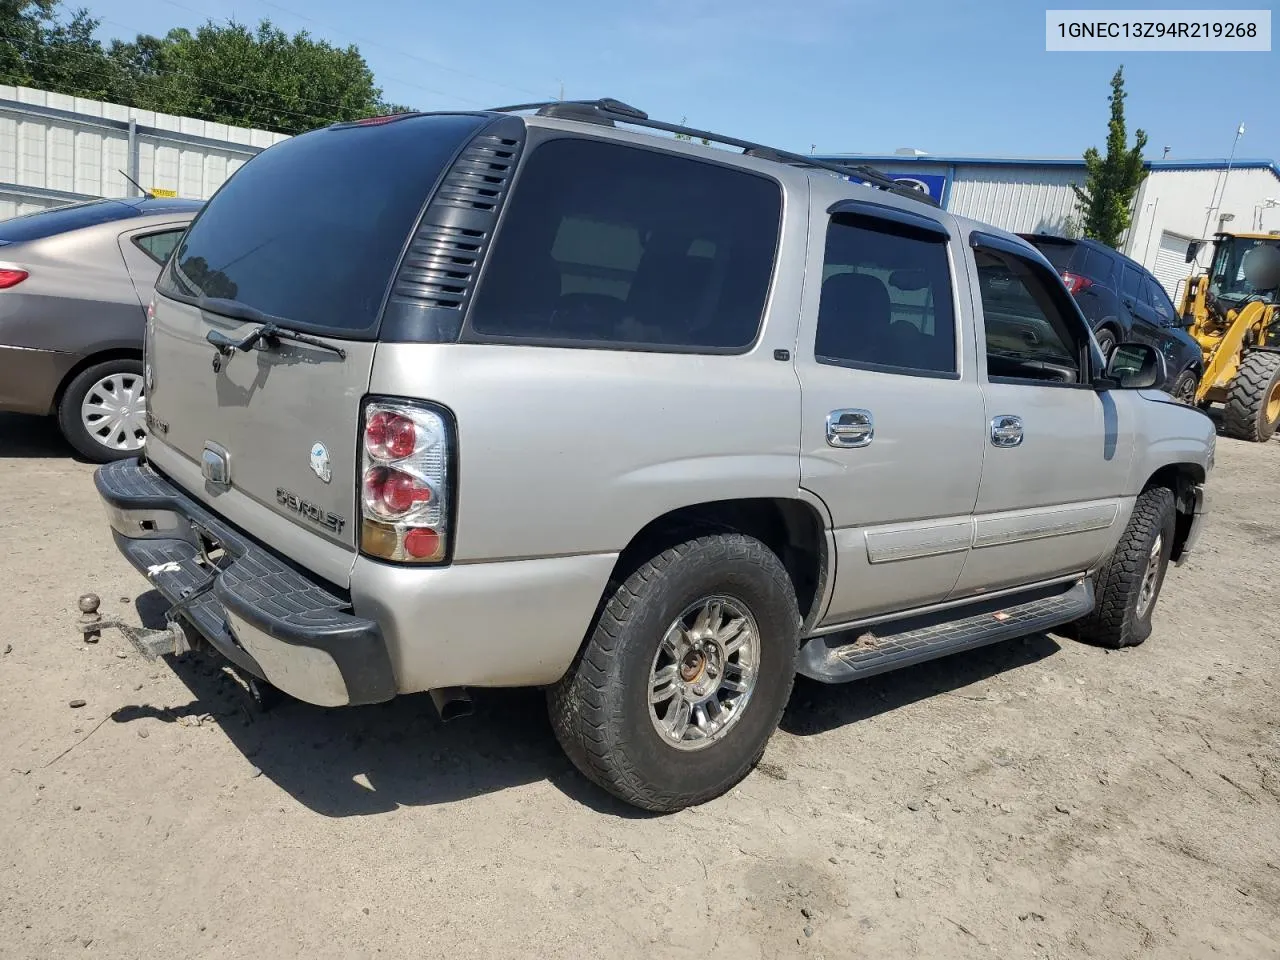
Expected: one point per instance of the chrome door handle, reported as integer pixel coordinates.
(850, 428)
(1006, 431)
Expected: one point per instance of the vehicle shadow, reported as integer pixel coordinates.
(23, 436)
(819, 707)
(357, 761)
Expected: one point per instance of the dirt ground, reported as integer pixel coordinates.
(1035, 799)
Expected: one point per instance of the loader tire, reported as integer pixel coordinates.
(1129, 582)
(1253, 401)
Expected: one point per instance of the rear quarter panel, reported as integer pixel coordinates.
(78, 299)
(565, 451)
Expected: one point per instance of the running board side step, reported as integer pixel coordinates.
(864, 652)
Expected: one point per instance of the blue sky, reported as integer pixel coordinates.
(847, 76)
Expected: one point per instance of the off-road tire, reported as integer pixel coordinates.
(1184, 388)
(69, 409)
(1115, 621)
(1245, 414)
(600, 708)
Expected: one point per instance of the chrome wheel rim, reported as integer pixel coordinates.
(704, 673)
(113, 411)
(1151, 578)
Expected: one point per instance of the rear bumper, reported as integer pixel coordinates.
(258, 611)
(29, 379)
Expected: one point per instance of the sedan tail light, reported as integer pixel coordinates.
(11, 278)
(1076, 283)
(405, 466)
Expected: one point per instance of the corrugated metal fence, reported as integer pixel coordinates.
(58, 149)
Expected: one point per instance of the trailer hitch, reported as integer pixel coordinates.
(173, 638)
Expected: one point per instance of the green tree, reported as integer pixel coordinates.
(257, 78)
(228, 73)
(1106, 199)
(37, 49)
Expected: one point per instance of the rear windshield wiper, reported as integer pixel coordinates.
(268, 333)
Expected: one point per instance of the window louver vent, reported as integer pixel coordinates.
(439, 269)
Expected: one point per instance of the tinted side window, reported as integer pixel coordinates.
(1160, 301)
(886, 299)
(1131, 282)
(72, 216)
(610, 245)
(1028, 335)
(158, 246)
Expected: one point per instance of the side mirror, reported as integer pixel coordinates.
(1136, 366)
(1193, 249)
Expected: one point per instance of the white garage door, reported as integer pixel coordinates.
(1171, 267)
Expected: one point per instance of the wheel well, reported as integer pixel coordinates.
(120, 353)
(790, 528)
(1181, 478)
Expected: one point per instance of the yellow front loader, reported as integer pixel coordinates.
(1233, 311)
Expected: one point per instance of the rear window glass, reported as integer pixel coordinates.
(611, 245)
(311, 230)
(73, 216)
(1059, 254)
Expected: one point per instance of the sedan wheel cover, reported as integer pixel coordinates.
(113, 411)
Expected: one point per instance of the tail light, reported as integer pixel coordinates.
(1076, 283)
(11, 278)
(406, 452)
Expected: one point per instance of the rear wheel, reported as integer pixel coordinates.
(102, 410)
(1184, 388)
(1252, 411)
(685, 675)
(1129, 582)
(1106, 343)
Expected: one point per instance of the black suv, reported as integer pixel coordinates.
(1124, 303)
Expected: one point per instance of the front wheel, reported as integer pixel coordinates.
(685, 675)
(1129, 582)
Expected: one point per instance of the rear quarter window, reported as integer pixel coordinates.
(607, 245)
(1096, 265)
(1059, 254)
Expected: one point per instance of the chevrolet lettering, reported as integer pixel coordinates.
(306, 508)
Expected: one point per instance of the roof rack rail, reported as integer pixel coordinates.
(607, 111)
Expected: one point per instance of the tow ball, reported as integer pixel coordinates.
(152, 644)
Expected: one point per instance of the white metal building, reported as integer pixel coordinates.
(1179, 200)
(57, 149)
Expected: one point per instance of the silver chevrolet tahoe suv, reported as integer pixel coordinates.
(545, 396)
